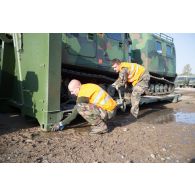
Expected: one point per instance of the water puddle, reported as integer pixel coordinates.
(166, 116)
(182, 117)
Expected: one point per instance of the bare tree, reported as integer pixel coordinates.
(187, 70)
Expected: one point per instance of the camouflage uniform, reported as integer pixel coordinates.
(138, 89)
(93, 114)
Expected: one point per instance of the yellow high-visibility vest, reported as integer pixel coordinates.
(135, 71)
(97, 96)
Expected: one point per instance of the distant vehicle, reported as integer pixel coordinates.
(182, 81)
(192, 82)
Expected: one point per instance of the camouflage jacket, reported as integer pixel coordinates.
(122, 79)
(74, 112)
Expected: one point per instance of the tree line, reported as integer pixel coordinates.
(187, 70)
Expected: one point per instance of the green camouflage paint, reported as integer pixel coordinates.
(145, 52)
(94, 50)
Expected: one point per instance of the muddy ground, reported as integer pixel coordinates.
(164, 132)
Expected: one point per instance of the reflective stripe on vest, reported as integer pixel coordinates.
(131, 71)
(99, 95)
(137, 67)
(135, 71)
(104, 101)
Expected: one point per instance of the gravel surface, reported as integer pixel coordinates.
(164, 132)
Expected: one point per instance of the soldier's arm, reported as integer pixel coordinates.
(74, 113)
(122, 79)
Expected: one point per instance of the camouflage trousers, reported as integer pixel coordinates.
(93, 114)
(138, 90)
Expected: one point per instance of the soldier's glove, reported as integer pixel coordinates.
(58, 127)
(115, 86)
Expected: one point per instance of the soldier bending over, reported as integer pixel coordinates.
(134, 74)
(93, 104)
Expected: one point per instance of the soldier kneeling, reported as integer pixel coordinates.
(93, 104)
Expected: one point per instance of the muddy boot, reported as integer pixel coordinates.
(99, 129)
(133, 117)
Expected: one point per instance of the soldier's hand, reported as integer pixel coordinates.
(115, 86)
(58, 127)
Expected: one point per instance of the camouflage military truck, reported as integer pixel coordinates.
(182, 81)
(36, 67)
(89, 55)
(192, 82)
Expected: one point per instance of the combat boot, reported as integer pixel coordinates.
(133, 117)
(99, 129)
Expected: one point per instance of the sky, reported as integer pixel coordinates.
(185, 50)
